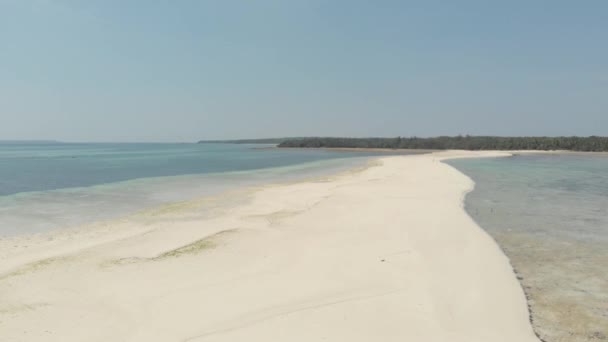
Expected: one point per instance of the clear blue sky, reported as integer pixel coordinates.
(188, 70)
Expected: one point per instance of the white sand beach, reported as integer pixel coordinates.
(387, 253)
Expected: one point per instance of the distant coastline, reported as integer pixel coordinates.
(353, 149)
(474, 143)
(470, 143)
(248, 141)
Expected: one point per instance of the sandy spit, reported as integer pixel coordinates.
(383, 254)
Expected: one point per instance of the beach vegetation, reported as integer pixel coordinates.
(467, 142)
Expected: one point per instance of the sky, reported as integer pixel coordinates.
(120, 70)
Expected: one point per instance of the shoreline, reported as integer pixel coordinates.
(556, 244)
(26, 214)
(314, 244)
(427, 151)
(396, 151)
(114, 228)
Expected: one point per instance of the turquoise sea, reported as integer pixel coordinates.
(46, 186)
(549, 213)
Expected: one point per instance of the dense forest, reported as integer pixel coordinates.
(592, 143)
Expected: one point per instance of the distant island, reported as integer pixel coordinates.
(587, 144)
(248, 141)
(466, 142)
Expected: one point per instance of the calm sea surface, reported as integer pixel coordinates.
(549, 213)
(56, 185)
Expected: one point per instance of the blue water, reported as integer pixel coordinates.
(45, 186)
(37, 167)
(549, 213)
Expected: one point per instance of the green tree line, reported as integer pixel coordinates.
(592, 143)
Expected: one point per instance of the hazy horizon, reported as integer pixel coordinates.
(135, 71)
(35, 141)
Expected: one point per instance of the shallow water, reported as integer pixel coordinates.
(49, 186)
(549, 213)
(39, 167)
